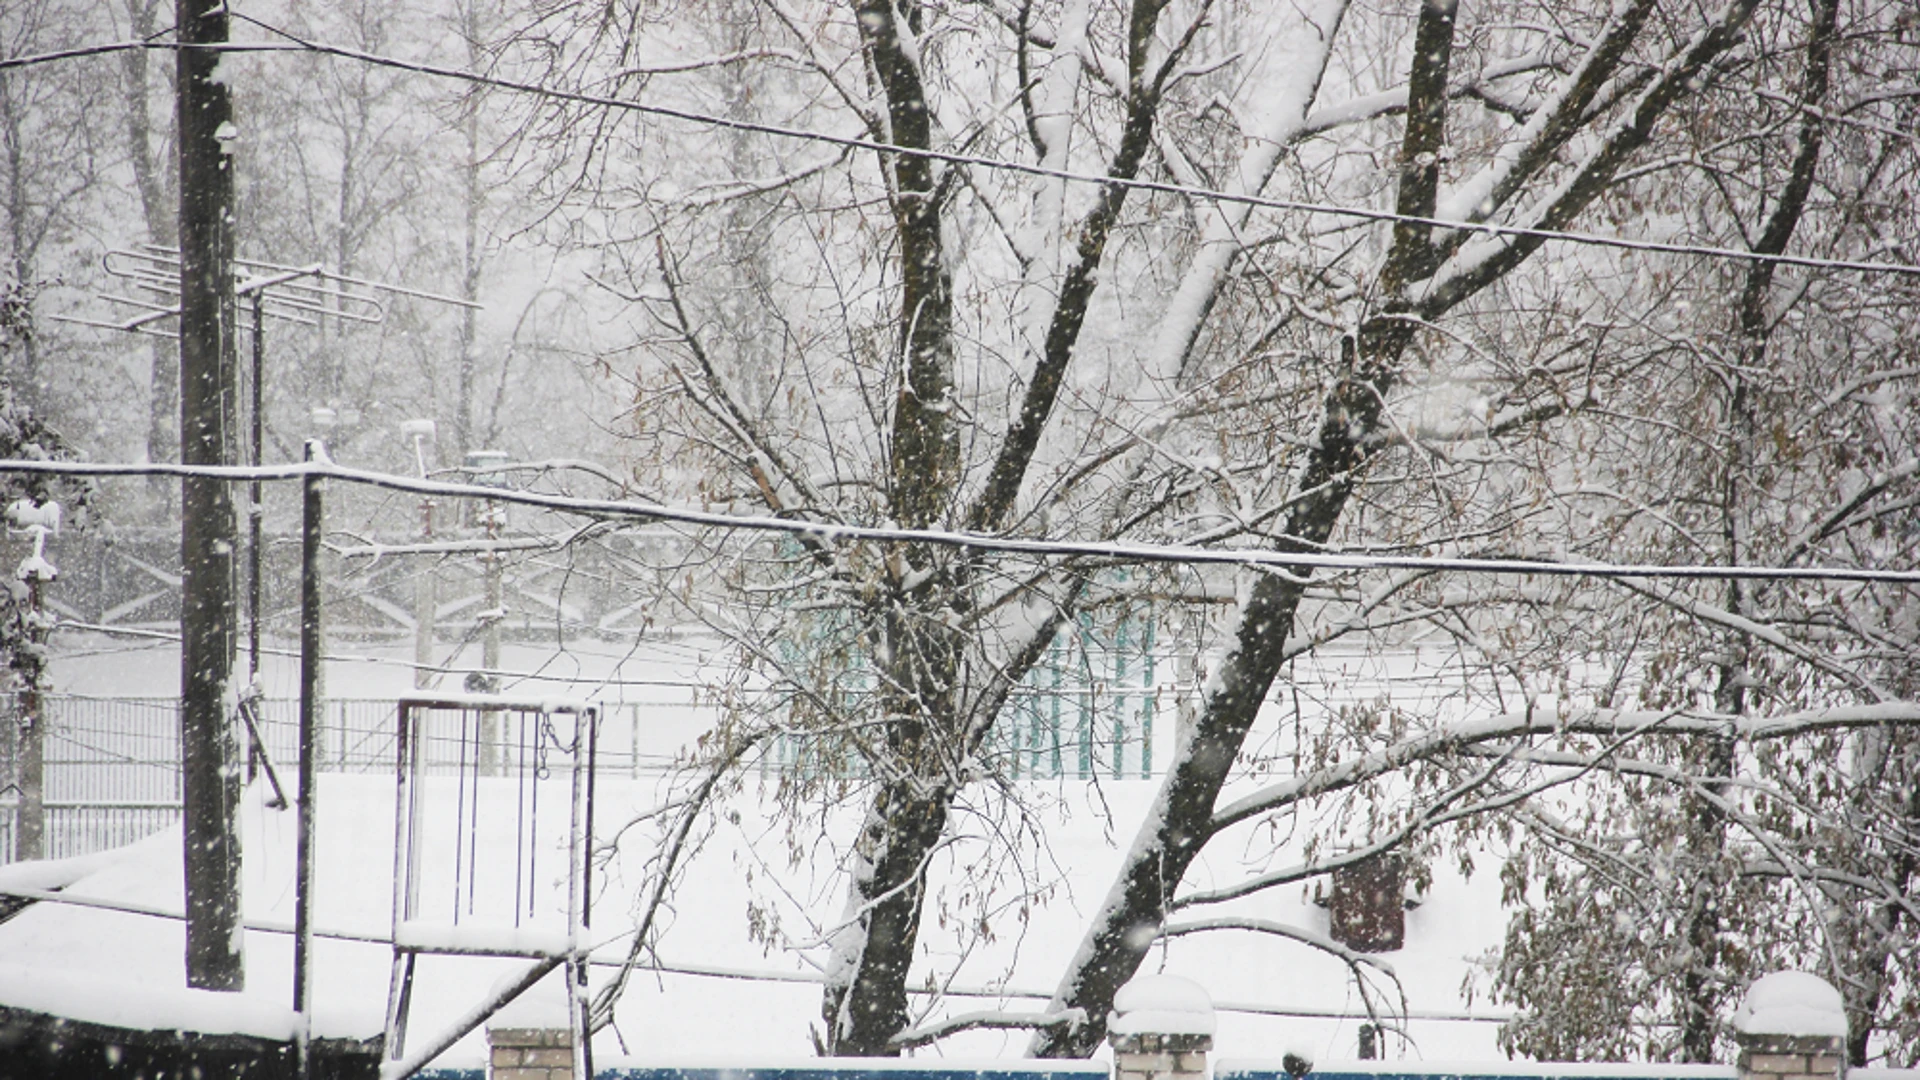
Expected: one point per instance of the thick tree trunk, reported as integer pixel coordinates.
(1181, 820)
(1704, 986)
(472, 196)
(163, 397)
(1873, 945)
(1180, 823)
(928, 740)
(30, 767)
(209, 534)
(864, 1004)
(22, 370)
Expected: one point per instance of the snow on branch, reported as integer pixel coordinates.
(1455, 738)
(1277, 929)
(704, 62)
(601, 1012)
(1837, 519)
(1355, 961)
(1445, 809)
(1023, 1021)
(1476, 265)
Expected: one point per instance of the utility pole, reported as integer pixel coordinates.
(209, 533)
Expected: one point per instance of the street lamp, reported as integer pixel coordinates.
(484, 467)
(420, 433)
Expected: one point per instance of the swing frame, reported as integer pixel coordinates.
(411, 762)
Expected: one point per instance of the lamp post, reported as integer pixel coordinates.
(480, 466)
(422, 432)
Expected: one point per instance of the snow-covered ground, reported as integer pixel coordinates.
(750, 998)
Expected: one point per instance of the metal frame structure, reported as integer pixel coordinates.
(303, 295)
(412, 763)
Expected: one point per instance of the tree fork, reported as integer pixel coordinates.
(1181, 822)
(866, 1007)
(1117, 945)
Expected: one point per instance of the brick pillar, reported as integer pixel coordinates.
(529, 1053)
(1161, 1029)
(1792, 1057)
(1792, 1026)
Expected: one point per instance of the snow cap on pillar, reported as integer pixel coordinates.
(1792, 1003)
(1791, 1026)
(1161, 1028)
(542, 1005)
(1162, 1005)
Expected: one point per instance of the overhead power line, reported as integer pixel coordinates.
(829, 533)
(710, 971)
(295, 43)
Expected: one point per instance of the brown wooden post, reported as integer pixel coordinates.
(1367, 909)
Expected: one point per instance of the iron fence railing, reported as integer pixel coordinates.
(112, 765)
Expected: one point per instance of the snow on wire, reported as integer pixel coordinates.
(294, 43)
(829, 533)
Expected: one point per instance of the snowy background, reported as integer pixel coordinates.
(753, 998)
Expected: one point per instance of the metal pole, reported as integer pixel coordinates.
(424, 598)
(592, 719)
(580, 855)
(311, 518)
(490, 643)
(424, 602)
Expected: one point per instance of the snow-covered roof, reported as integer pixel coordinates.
(114, 1002)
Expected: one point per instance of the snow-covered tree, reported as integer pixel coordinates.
(927, 338)
(1724, 861)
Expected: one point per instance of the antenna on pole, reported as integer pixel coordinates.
(296, 294)
(300, 295)
(190, 294)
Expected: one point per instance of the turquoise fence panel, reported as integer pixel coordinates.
(1087, 709)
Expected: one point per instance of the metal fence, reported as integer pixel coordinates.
(112, 765)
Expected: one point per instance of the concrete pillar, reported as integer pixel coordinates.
(529, 1053)
(1161, 1029)
(1792, 1026)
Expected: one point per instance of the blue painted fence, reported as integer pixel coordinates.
(1264, 1069)
(823, 1070)
(1224, 1069)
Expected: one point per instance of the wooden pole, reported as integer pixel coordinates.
(209, 534)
